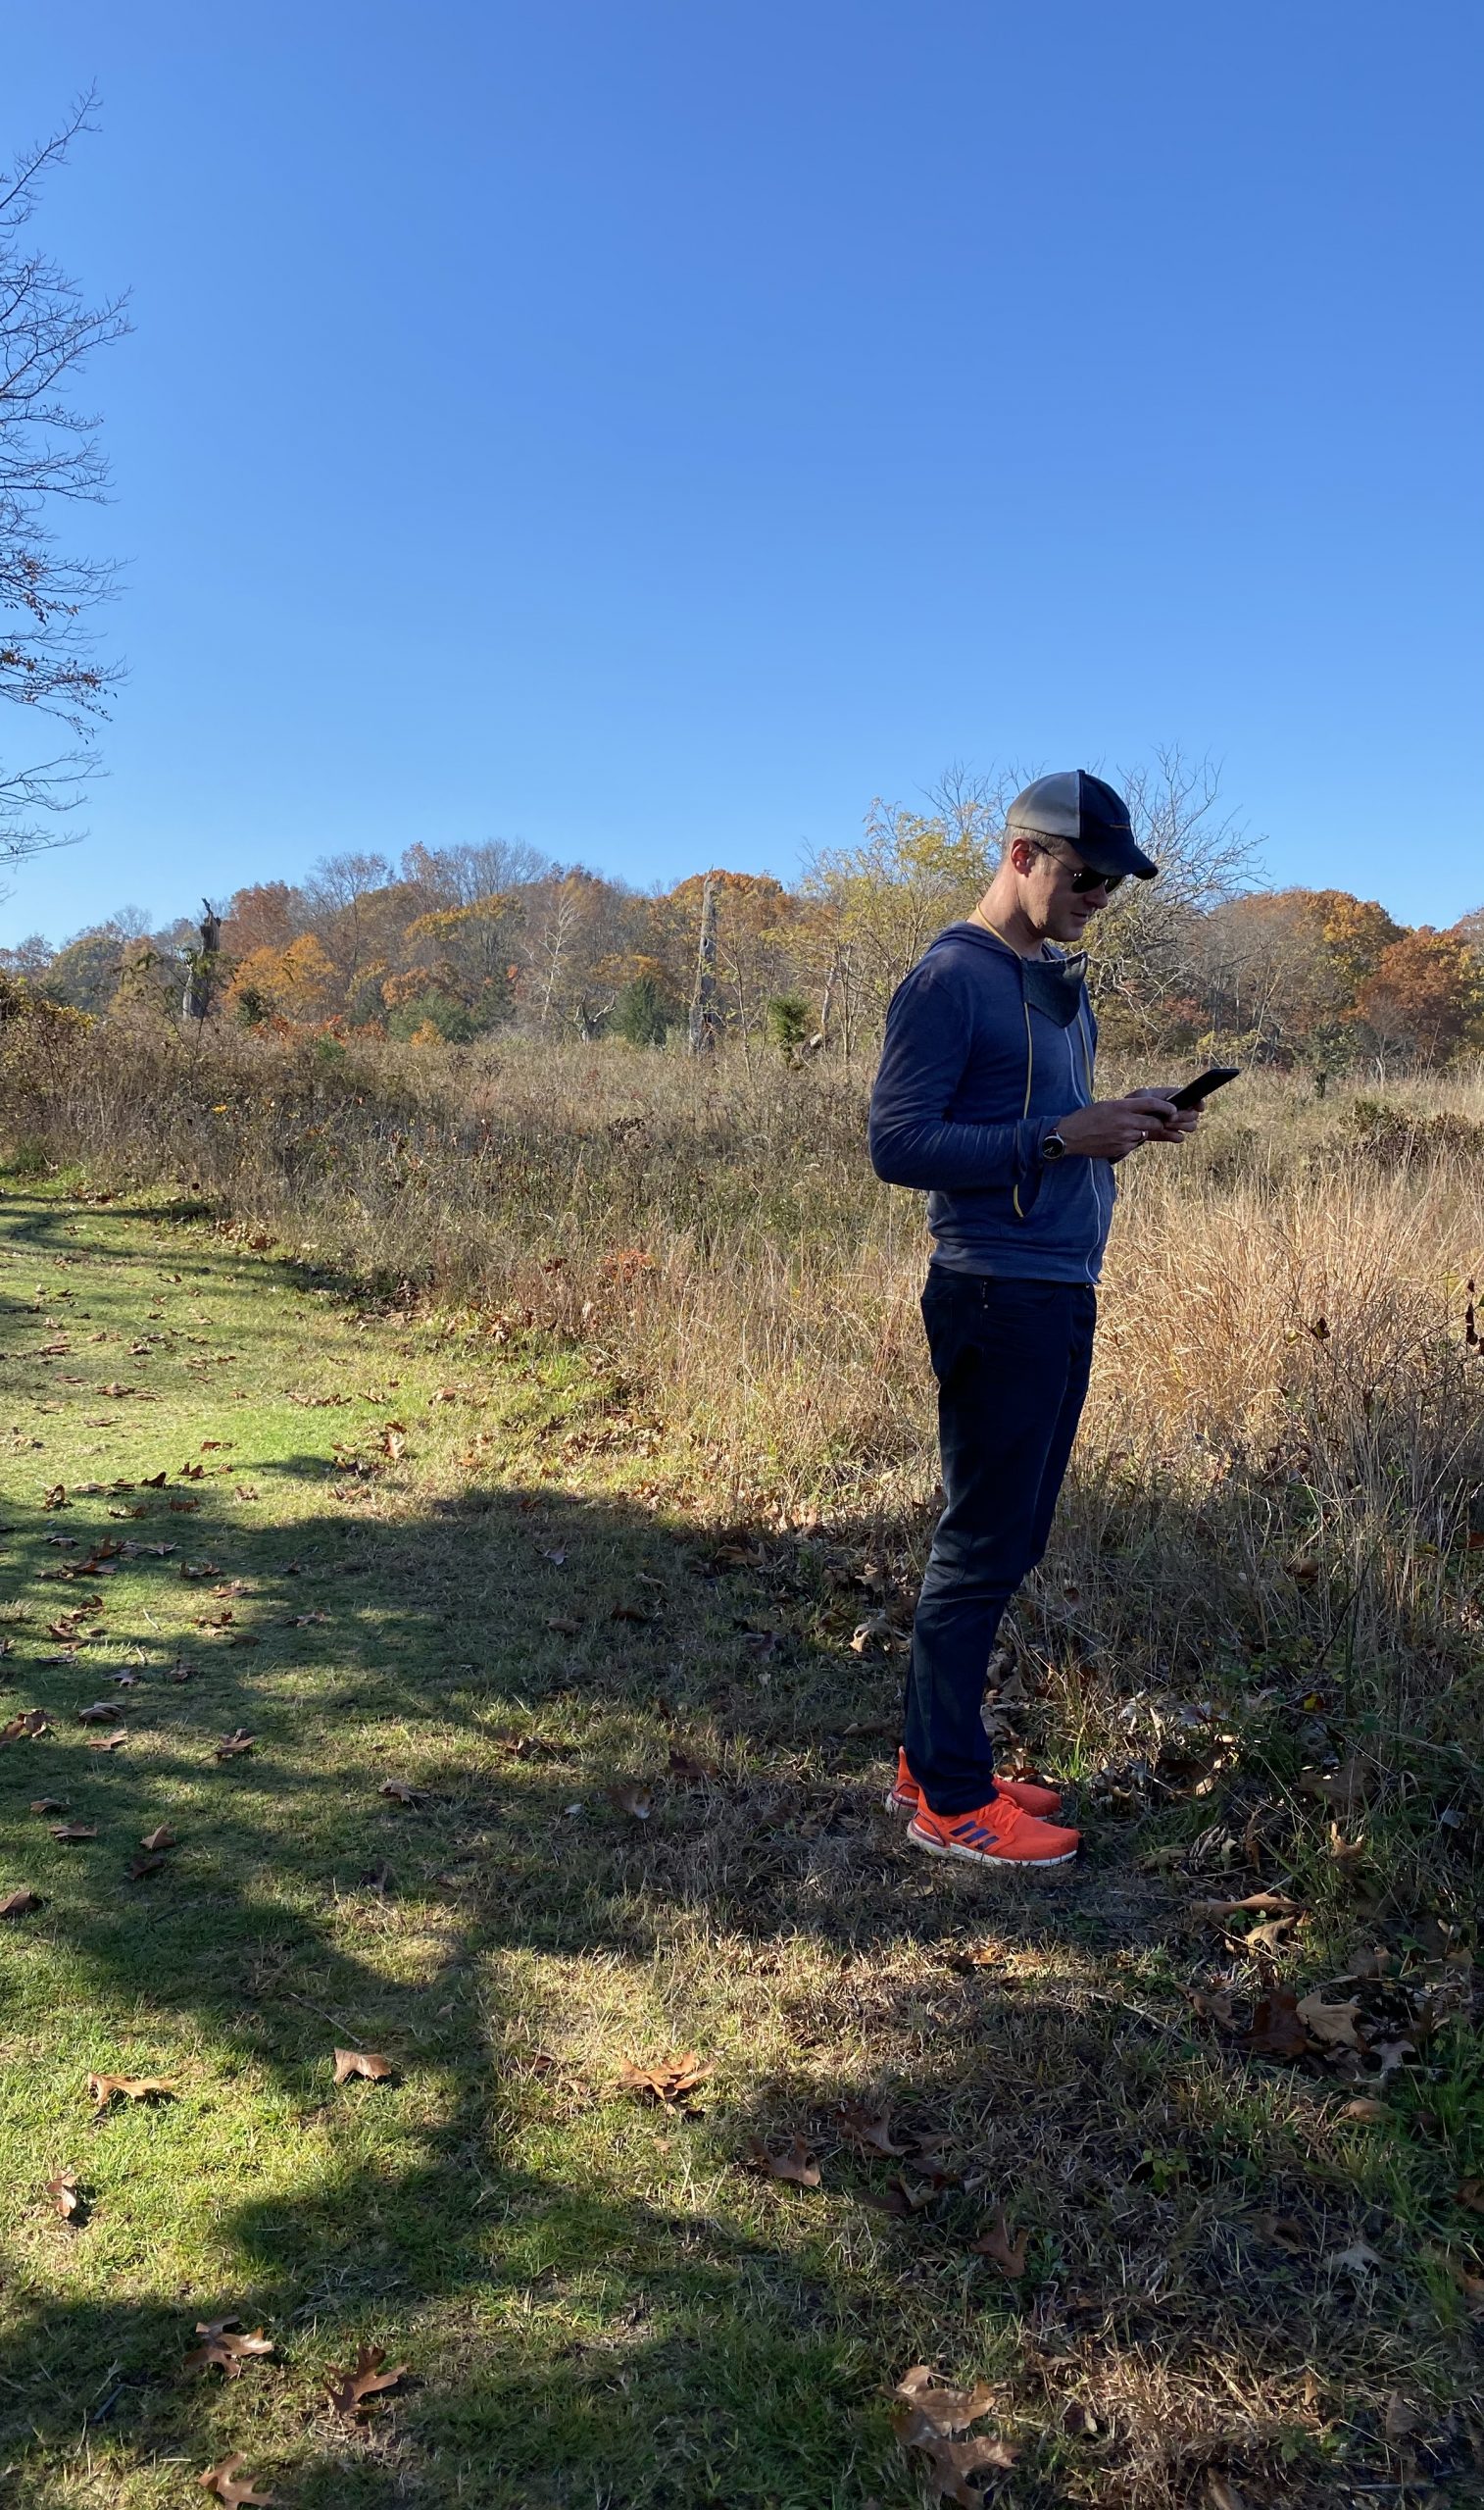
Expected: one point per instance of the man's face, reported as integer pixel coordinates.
(1046, 866)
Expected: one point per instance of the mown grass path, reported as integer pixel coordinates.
(402, 1557)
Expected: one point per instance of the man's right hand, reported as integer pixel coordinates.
(1110, 1128)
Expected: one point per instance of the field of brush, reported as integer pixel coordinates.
(546, 1433)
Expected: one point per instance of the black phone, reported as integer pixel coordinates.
(1196, 1092)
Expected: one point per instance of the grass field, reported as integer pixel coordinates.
(441, 1552)
(486, 1310)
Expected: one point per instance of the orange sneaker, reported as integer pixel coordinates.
(996, 1833)
(904, 1796)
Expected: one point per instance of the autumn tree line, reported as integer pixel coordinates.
(457, 942)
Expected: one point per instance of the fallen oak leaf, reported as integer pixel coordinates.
(1366, 2110)
(106, 2088)
(142, 1867)
(112, 1742)
(67, 2195)
(163, 1837)
(870, 2127)
(31, 1721)
(897, 2198)
(1342, 1788)
(1270, 1938)
(47, 1804)
(356, 2061)
(950, 2463)
(1001, 2249)
(1272, 1904)
(233, 1745)
(353, 2387)
(1469, 2192)
(20, 1902)
(629, 1795)
(231, 2489)
(1332, 2025)
(401, 1791)
(101, 1711)
(671, 2082)
(690, 1771)
(929, 2409)
(72, 1833)
(562, 1626)
(224, 2351)
(798, 2165)
(1275, 2029)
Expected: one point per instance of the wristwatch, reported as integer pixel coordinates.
(1053, 1147)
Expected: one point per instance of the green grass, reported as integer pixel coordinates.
(598, 2303)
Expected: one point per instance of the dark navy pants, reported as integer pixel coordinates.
(1012, 1361)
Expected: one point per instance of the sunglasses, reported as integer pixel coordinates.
(1085, 879)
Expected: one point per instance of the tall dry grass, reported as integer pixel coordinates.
(1283, 1456)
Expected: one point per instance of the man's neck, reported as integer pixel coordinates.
(1004, 917)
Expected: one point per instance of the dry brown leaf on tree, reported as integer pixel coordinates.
(1001, 2247)
(233, 1745)
(361, 2061)
(631, 1796)
(106, 2088)
(234, 2490)
(353, 2389)
(1332, 2025)
(672, 2082)
(20, 1902)
(869, 2128)
(798, 2165)
(223, 2348)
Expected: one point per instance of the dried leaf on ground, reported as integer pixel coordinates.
(32, 1720)
(106, 2088)
(65, 2194)
(672, 2082)
(798, 2165)
(870, 2128)
(157, 1839)
(223, 2349)
(234, 2490)
(1001, 2247)
(562, 1626)
(233, 1745)
(140, 1868)
(1272, 1904)
(1344, 1852)
(110, 1742)
(1360, 2259)
(1332, 2025)
(361, 2061)
(1366, 2110)
(47, 1804)
(1342, 1788)
(20, 1902)
(1470, 2194)
(401, 1791)
(628, 1612)
(690, 1771)
(897, 2198)
(1276, 2030)
(1272, 1937)
(72, 1833)
(352, 2389)
(1215, 2004)
(631, 1796)
(100, 1713)
(929, 2408)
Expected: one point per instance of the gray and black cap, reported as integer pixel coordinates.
(1089, 815)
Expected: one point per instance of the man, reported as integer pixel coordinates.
(985, 1098)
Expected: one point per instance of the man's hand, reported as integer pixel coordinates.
(1110, 1128)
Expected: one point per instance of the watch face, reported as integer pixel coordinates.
(1053, 1147)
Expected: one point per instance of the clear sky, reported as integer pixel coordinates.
(651, 427)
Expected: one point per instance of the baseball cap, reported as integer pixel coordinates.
(1089, 815)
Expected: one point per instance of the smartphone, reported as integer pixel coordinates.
(1197, 1092)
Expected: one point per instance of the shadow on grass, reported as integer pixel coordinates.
(605, 2348)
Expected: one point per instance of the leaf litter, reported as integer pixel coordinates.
(353, 2390)
(225, 2349)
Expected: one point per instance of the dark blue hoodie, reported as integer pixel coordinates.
(974, 1074)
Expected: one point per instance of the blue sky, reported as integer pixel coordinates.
(652, 428)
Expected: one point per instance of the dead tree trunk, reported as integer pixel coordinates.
(703, 1002)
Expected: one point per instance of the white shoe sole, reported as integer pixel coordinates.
(977, 1856)
(899, 1811)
